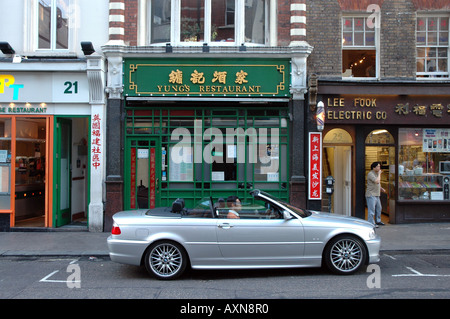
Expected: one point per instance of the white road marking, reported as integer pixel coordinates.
(393, 258)
(45, 279)
(418, 274)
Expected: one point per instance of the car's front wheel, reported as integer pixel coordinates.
(345, 255)
(165, 260)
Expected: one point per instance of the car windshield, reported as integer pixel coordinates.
(260, 207)
(302, 213)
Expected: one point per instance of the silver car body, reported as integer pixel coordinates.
(221, 243)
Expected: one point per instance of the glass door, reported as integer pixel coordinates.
(63, 172)
(143, 160)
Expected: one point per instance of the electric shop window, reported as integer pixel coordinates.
(424, 164)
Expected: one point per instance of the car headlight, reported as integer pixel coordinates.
(372, 234)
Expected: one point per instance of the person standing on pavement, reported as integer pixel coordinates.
(373, 194)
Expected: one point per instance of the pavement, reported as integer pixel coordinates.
(423, 238)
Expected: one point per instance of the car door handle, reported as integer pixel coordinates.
(225, 226)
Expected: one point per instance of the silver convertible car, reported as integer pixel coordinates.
(264, 233)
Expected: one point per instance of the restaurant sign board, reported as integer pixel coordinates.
(207, 77)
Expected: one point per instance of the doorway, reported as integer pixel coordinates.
(143, 157)
(337, 162)
(70, 172)
(30, 174)
(380, 147)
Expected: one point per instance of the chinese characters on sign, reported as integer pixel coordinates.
(96, 141)
(315, 166)
(437, 110)
(153, 179)
(133, 178)
(176, 77)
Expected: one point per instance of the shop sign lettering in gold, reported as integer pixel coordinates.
(219, 77)
(358, 114)
(364, 108)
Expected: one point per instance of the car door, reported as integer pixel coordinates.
(260, 241)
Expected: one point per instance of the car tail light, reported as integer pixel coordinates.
(115, 230)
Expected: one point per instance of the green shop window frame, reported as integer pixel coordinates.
(194, 179)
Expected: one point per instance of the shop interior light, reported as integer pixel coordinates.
(379, 132)
(320, 116)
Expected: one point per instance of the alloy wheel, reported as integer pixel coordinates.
(166, 260)
(345, 255)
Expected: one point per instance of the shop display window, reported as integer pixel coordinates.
(424, 164)
(211, 150)
(5, 163)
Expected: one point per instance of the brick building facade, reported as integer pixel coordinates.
(381, 70)
(195, 37)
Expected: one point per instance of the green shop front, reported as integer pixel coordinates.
(196, 128)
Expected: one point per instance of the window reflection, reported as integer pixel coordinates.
(254, 21)
(192, 21)
(59, 9)
(160, 21)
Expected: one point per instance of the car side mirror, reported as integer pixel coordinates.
(286, 215)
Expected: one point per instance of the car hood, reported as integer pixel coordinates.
(347, 221)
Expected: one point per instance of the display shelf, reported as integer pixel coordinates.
(420, 187)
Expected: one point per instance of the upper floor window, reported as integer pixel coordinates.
(208, 21)
(432, 49)
(53, 24)
(359, 48)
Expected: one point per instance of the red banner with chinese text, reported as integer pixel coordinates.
(315, 166)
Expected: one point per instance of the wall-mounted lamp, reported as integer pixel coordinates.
(6, 48)
(242, 47)
(168, 48)
(87, 48)
(205, 47)
(320, 116)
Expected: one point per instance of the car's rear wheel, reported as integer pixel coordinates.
(165, 260)
(345, 255)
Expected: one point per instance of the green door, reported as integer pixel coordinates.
(143, 173)
(62, 172)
